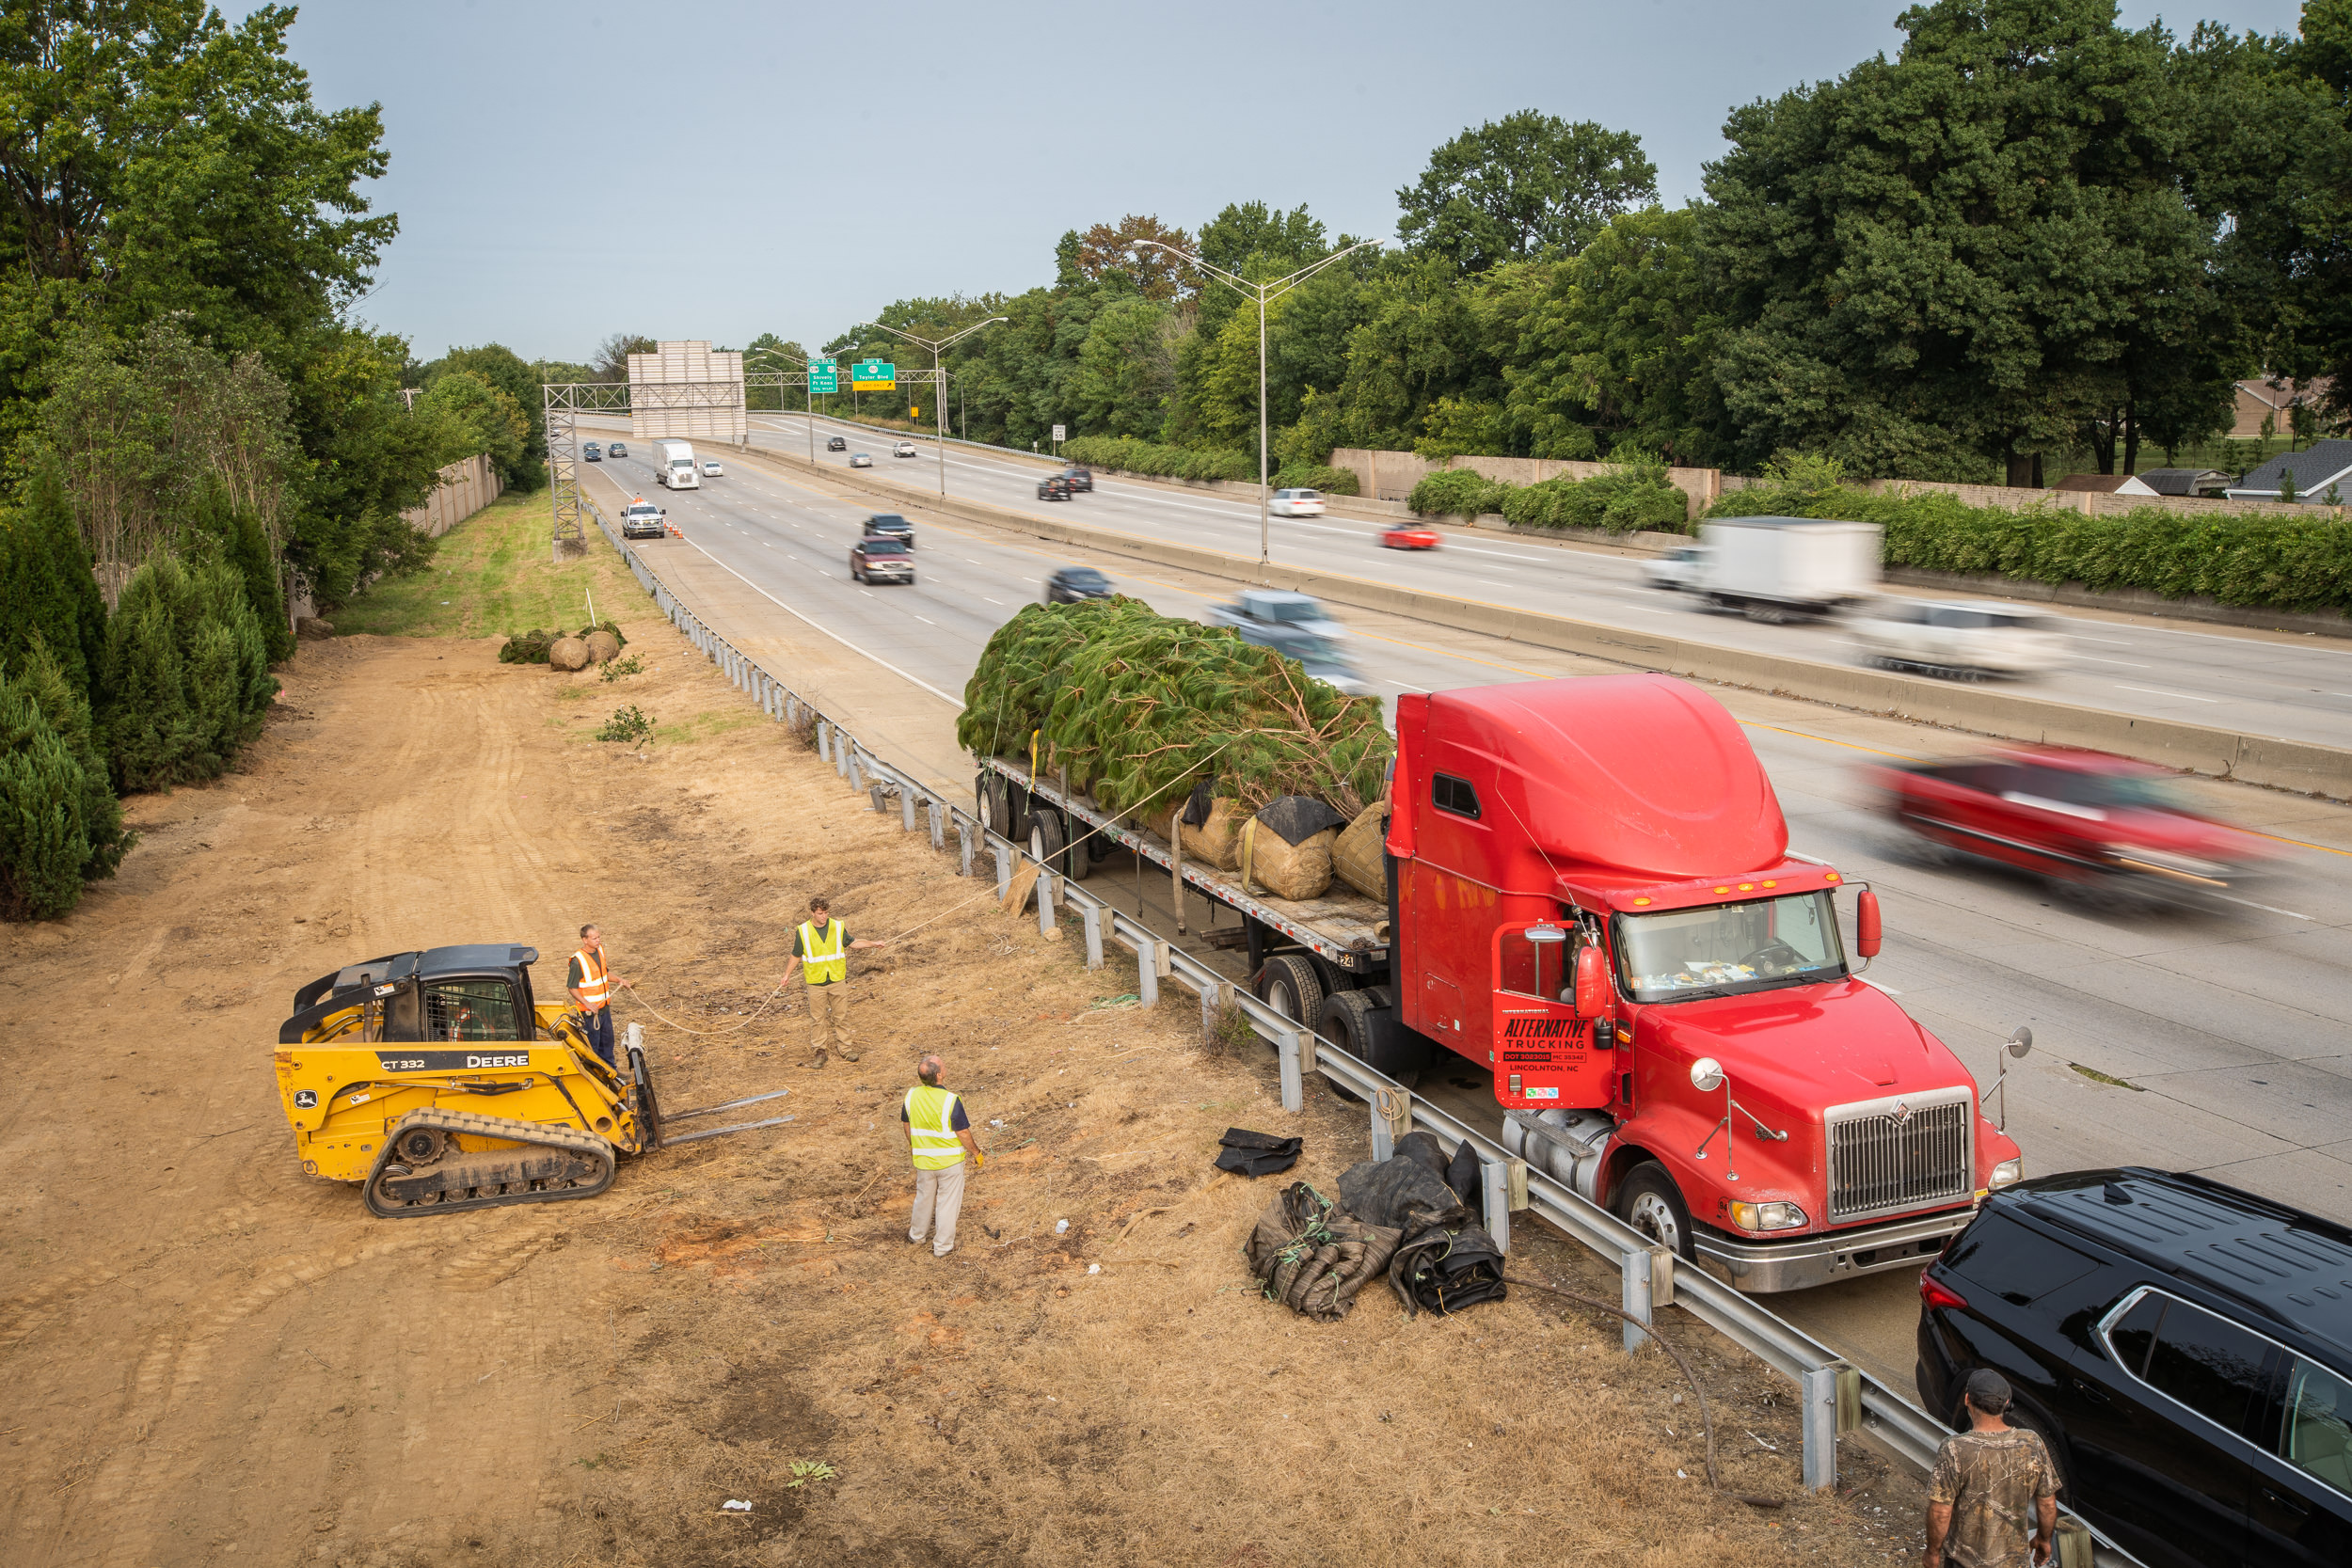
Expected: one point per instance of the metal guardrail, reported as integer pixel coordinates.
(1645, 1269)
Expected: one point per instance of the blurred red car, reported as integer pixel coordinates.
(1410, 536)
(2102, 824)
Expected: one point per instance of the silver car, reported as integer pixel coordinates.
(711, 468)
(904, 449)
(861, 460)
(1959, 637)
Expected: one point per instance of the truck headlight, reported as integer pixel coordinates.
(2008, 1173)
(1767, 1217)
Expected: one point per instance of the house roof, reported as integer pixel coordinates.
(2113, 485)
(2315, 468)
(2182, 482)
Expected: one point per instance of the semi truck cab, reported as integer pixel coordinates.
(1591, 896)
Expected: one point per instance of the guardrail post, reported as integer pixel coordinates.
(874, 793)
(791, 708)
(1820, 1408)
(1148, 971)
(1093, 914)
(849, 767)
(1210, 993)
(906, 810)
(1388, 1128)
(1634, 1275)
(1494, 1184)
(938, 819)
(1293, 1087)
(998, 852)
(963, 848)
(1044, 901)
(824, 740)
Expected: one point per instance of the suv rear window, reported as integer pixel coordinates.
(885, 546)
(2019, 1265)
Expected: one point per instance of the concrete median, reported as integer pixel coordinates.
(2219, 752)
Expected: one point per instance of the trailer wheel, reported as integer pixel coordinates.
(1649, 1201)
(1045, 840)
(1347, 1024)
(1291, 986)
(1079, 859)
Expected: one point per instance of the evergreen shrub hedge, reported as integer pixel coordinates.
(2270, 561)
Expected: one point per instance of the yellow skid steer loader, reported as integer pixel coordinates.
(438, 1081)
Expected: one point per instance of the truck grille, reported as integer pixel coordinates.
(1909, 1152)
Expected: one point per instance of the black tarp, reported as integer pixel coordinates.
(1299, 817)
(1248, 1153)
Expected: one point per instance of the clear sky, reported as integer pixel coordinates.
(710, 168)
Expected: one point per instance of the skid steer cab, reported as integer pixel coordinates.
(438, 1082)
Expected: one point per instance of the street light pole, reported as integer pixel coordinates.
(938, 382)
(1265, 293)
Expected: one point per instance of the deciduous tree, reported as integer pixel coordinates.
(1524, 186)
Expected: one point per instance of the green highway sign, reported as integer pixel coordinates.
(874, 375)
(823, 377)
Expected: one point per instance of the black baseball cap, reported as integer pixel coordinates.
(1988, 1391)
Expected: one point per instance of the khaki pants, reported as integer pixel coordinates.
(829, 1019)
(938, 1197)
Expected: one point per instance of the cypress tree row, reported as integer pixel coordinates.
(48, 594)
(190, 673)
(44, 844)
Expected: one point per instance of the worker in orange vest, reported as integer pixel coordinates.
(590, 984)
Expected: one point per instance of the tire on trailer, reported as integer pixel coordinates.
(1045, 840)
(1649, 1200)
(1078, 859)
(1290, 986)
(1347, 1024)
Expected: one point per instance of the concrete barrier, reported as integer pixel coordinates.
(2303, 767)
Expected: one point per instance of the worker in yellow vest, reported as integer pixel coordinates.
(820, 949)
(939, 1135)
(590, 984)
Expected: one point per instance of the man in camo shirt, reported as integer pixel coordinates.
(1988, 1481)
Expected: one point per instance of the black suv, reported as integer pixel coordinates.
(2185, 1348)
(1081, 480)
(889, 525)
(837, 443)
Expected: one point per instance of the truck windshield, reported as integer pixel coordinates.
(1730, 948)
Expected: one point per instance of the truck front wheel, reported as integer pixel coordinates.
(1648, 1201)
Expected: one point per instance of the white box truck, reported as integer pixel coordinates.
(674, 466)
(1780, 568)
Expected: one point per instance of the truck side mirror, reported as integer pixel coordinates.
(1592, 983)
(1869, 934)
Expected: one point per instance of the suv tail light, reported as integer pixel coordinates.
(1935, 1295)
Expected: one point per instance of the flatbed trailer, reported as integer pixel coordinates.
(1344, 930)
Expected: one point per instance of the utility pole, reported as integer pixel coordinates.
(939, 381)
(1265, 293)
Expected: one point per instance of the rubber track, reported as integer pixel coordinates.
(475, 1125)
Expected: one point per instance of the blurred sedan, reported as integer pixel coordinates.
(1069, 584)
(861, 460)
(1962, 638)
(1296, 503)
(1410, 536)
(2103, 825)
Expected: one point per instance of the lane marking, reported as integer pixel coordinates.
(2252, 905)
(2125, 662)
(2160, 691)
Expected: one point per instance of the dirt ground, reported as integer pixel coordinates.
(237, 1365)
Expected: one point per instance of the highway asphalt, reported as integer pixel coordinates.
(2283, 685)
(2231, 1025)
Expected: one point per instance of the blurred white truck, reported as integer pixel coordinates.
(674, 466)
(1777, 569)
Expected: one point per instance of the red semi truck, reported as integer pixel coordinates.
(1590, 895)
